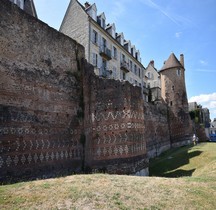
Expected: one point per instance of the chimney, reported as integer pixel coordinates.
(182, 59)
(152, 62)
(87, 5)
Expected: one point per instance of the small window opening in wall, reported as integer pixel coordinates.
(178, 72)
(171, 103)
(173, 87)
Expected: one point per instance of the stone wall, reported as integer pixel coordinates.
(57, 116)
(157, 133)
(122, 130)
(114, 126)
(40, 93)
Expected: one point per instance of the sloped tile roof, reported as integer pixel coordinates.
(171, 62)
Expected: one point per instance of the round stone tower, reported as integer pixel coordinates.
(173, 89)
(173, 92)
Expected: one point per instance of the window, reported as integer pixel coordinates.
(114, 72)
(114, 53)
(178, 72)
(104, 43)
(103, 23)
(94, 37)
(139, 72)
(123, 57)
(94, 59)
(149, 75)
(135, 69)
(18, 3)
(131, 66)
(124, 76)
(144, 85)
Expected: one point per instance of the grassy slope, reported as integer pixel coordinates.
(126, 192)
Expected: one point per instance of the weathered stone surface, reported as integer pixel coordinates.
(56, 116)
(39, 97)
(114, 123)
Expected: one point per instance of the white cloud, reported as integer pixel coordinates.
(118, 9)
(204, 63)
(206, 70)
(212, 105)
(203, 98)
(207, 101)
(178, 34)
(153, 5)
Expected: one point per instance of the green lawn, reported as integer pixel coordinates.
(192, 161)
(196, 190)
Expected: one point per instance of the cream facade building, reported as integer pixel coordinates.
(26, 5)
(111, 55)
(153, 82)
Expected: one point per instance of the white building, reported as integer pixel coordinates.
(109, 52)
(153, 82)
(26, 5)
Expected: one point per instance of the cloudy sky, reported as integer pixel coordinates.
(157, 28)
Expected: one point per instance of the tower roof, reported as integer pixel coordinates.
(171, 62)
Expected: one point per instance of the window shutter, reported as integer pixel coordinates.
(99, 62)
(99, 40)
(94, 59)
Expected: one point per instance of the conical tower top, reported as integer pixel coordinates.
(172, 62)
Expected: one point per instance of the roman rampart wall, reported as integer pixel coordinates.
(40, 90)
(57, 117)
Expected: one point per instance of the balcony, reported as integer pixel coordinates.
(105, 72)
(125, 66)
(105, 53)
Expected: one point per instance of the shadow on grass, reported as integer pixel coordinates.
(169, 163)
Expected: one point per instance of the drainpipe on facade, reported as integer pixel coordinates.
(89, 44)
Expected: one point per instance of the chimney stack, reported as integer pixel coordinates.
(87, 5)
(182, 59)
(152, 62)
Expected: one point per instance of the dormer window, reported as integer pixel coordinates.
(137, 55)
(133, 51)
(101, 19)
(92, 11)
(127, 46)
(103, 24)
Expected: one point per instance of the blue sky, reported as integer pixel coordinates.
(157, 28)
